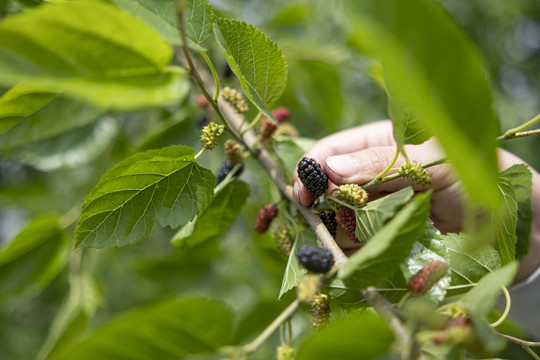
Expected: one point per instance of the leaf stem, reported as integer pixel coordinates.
(506, 309)
(340, 202)
(520, 341)
(285, 315)
(200, 153)
(214, 73)
(531, 352)
(510, 134)
(389, 167)
(252, 124)
(388, 178)
(520, 135)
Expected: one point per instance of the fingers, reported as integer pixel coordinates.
(362, 166)
(362, 137)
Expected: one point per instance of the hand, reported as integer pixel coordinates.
(358, 155)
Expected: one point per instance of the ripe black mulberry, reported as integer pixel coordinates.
(317, 260)
(225, 169)
(312, 176)
(265, 217)
(328, 218)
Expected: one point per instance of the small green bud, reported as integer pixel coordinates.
(415, 172)
(353, 194)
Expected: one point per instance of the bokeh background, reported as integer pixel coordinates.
(329, 89)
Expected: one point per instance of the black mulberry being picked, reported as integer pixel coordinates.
(312, 176)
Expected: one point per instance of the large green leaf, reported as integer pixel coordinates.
(407, 126)
(20, 101)
(166, 184)
(158, 14)
(199, 20)
(372, 217)
(69, 149)
(358, 336)
(171, 329)
(255, 59)
(389, 247)
(505, 223)
(468, 267)
(34, 258)
(92, 50)
(59, 116)
(294, 271)
(216, 218)
(431, 64)
(481, 299)
(521, 179)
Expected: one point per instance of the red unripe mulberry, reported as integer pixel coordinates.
(346, 218)
(429, 275)
(265, 217)
(281, 114)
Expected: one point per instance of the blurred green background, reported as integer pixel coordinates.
(329, 89)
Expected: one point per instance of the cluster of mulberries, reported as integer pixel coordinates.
(429, 275)
(225, 169)
(415, 172)
(312, 176)
(233, 97)
(346, 218)
(284, 238)
(320, 308)
(265, 217)
(328, 218)
(234, 151)
(210, 134)
(317, 260)
(353, 194)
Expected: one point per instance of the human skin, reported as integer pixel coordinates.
(359, 154)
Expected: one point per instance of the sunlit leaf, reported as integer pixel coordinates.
(505, 223)
(255, 59)
(440, 77)
(166, 185)
(93, 51)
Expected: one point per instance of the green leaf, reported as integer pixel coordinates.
(255, 59)
(425, 251)
(158, 14)
(481, 299)
(407, 127)
(505, 223)
(34, 258)
(294, 271)
(217, 216)
(389, 247)
(372, 217)
(166, 184)
(431, 64)
(358, 336)
(70, 149)
(468, 267)
(290, 151)
(520, 177)
(58, 116)
(22, 100)
(171, 329)
(199, 20)
(93, 51)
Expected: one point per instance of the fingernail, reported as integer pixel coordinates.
(296, 189)
(342, 165)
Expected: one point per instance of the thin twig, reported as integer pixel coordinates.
(519, 135)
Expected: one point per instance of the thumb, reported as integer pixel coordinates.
(363, 166)
(359, 167)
